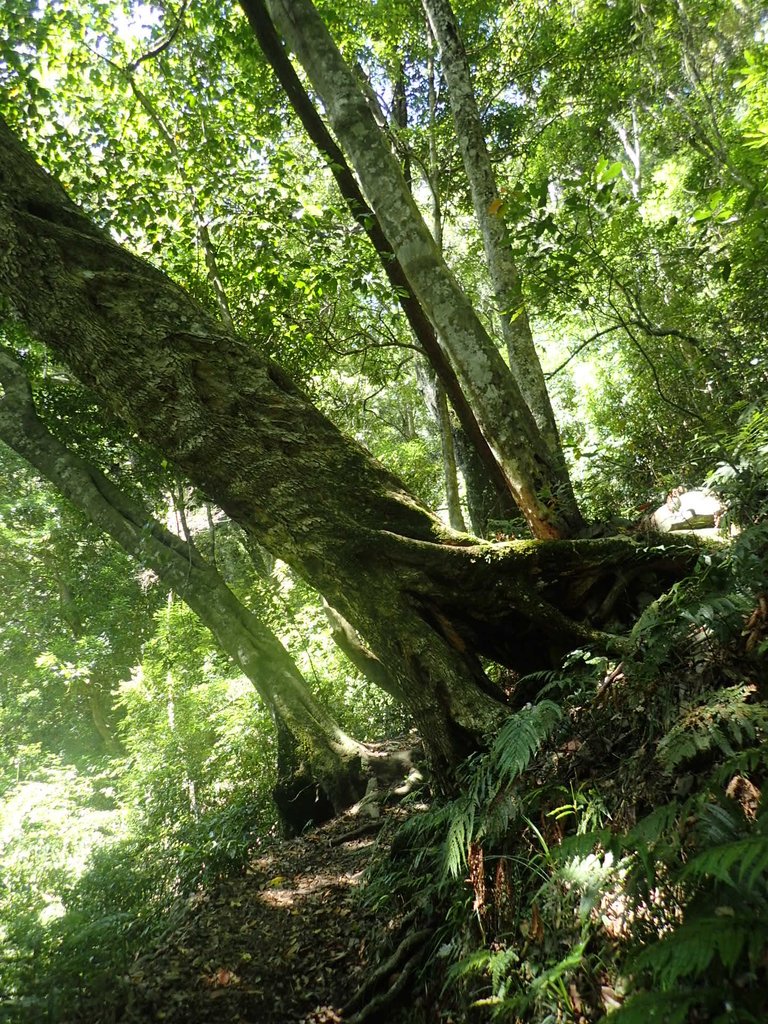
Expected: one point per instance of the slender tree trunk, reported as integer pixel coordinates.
(400, 118)
(365, 661)
(434, 162)
(180, 566)
(482, 491)
(436, 402)
(487, 509)
(101, 723)
(450, 471)
(433, 391)
(534, 472)
(92, 688)
(505, 279)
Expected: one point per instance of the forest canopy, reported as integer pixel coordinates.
(368, 368)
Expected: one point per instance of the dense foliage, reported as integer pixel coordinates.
(607, 852)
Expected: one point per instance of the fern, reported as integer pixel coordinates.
(487, 807)
(690, 949)
(521, 738)
(476, 963)
(740, 864)
(582, 845)
(497, 965)
(460, 833)
(717, 825)
(500, 964)
(555, 974)
(658, 1007)
(725, 718)
(650, 829)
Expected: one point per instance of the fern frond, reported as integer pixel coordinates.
(553, 975)
(500, 963)
(723, 719)
(741, 864)
(650, 829)
(657, 1007)
(521, 738)
(718, 825)
(582, 845)
(690, 949)
(476, 963)
(459, 835)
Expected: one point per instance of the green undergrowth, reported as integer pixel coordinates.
(87, 883)
(103, 855)
(607, 856)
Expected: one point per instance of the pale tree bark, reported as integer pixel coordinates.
(630, 141)
(503, 272)
(179, 565)
(437, 403)
(423, 331)
(448, 451)
(535, 473)
(433, 174)
(365, 661)
(427, 601)
(431, 388)
(481, 490)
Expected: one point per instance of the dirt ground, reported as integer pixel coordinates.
(284, 942)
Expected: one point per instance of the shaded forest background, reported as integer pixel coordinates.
(603, 848)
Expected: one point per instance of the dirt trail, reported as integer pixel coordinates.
(284, 942)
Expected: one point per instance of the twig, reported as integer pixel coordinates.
(580, 348)
(161, 47)
(613, 676)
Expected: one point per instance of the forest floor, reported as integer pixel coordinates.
(285, 941)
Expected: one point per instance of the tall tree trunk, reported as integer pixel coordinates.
(427, 601)
(434, 397)
(482, 490)
(92, 688)
(365, 661)
(534, 472)
(432, 389)
(516, 329)
(487, 508)
(93, 694)
(422, 329)
(180, 566)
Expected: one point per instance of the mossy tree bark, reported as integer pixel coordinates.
(426, 600)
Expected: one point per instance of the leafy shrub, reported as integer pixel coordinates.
(608, 852)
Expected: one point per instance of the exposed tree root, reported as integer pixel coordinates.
(357, 833)
(404, 961)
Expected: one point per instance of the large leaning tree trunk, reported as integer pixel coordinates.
(333, 755)
(536, 477)
(426, 600)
